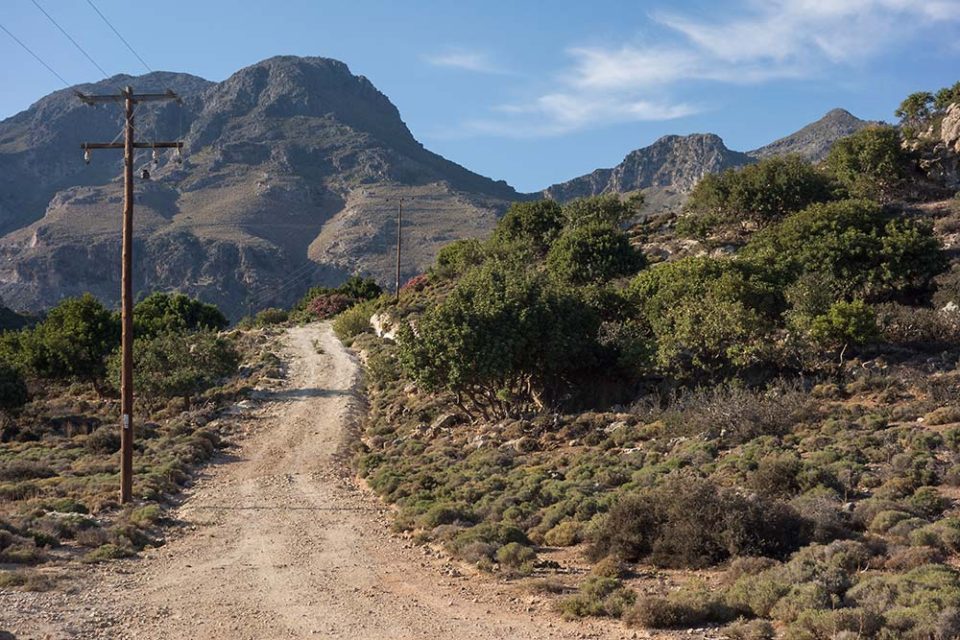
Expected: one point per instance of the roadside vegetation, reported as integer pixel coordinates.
(59, 434)
(742, 416)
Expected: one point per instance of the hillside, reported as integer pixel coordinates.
(293, 167)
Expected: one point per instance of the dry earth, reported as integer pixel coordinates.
(280, 543)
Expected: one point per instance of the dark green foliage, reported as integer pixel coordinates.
(706, 313)
(165, 312)
(177, 365)
(760, 193)
(360, 288)
(531, 224)
(13, 388)
(72, 341)
(598, 596)
(947, 96)
(869, 163)
(690, 522)
(457, 257)
(608, 209)
(854, 246)
(593, 253)
(915, 108)
(502, 340)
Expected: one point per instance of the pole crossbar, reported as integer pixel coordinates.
(128, 145)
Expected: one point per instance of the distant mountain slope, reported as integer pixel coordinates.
(813, 141)
(293, 170)
(669, 168)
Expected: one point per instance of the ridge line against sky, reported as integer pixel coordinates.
(537, 95)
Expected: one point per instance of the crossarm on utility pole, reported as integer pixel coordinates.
(122, 96)
(136, 145)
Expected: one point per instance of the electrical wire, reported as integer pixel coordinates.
(122, 39)
(70, 38)
(39, 59)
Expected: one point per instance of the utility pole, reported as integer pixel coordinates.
(399, 236)
(129, 99)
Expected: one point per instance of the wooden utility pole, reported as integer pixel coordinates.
(399, 236)
(129, 146)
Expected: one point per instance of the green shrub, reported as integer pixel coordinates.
(175, 312)
(356, 320)
(845, 323)
(870, 163)
(760, 193)
(854, 246)
(105, 440)
(689, 607)
(530, 224)
(175, 365)
(503, 341)
(592, 253)
(606, 209)
(108, 551)
(565, 534)
(689, 522)
(457, 258)
(516, 556)
(706, 313)
(598, 596)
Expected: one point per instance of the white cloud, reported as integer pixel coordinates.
(476, 61)
(760, 41)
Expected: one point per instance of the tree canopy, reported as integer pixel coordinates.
(162, 312)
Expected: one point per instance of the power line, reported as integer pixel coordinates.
(70, 38)
(39, 59)
(122, 39)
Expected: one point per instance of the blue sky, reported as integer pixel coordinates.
(531, 92)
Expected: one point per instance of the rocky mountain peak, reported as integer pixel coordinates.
(813, 141)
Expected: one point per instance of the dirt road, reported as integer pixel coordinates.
(285, 546)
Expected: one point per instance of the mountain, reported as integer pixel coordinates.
(813, 141)
(669, 168)
(665, 170)
(293, 168)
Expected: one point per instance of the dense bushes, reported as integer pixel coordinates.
(760, 194)
(869, 163)
(688, 522)
(706, 314)
(592, 253)
(854, 247)
(165, 312)
(177, 365)
(502, 341)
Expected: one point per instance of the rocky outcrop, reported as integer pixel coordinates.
(939, 149)
(674, 162)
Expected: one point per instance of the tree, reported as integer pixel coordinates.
(177, 365)
(870, 163)
(360, 288)
(504, 342)
(593, 253)
(609, 209)
(532, 224)
(73, 341)
(947, 96)
(707, 314)
(162, 312)
(855, 245)
(915, 108)
(760, 193)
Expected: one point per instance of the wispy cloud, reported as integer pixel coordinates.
(475, 61)
(756, 42)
